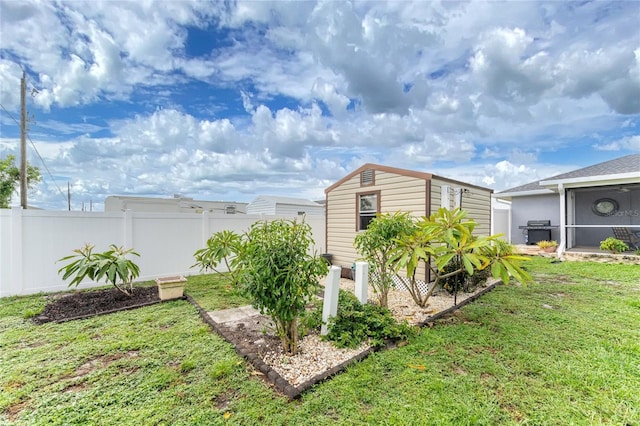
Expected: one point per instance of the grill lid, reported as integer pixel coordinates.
(539, 223)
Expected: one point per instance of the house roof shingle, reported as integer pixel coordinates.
(626, 164)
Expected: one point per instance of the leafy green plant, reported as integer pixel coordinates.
(613, 245)
(272, 265)
(355, 323)
(376, 244)
(221, 247)
(10, 177)
(444, 237)
(111, 265)
(543, 244)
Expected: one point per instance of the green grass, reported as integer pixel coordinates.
(212, 292)
(565, 350)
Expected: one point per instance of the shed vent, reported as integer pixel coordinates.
(367, 177)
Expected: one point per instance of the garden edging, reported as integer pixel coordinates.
(282, 385)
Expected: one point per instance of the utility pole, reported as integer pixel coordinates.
(23, 142)
(69, 195)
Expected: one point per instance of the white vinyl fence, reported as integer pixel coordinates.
(31, 242)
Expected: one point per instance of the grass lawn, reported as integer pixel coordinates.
(565, 350)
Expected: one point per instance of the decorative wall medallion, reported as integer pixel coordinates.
(605, 207)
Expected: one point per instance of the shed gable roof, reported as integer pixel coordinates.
(398, 171)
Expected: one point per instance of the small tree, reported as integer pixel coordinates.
(112, 265)
(445, 238)
(221, 247)
(10, 176)
(272, 265)
(376, 245)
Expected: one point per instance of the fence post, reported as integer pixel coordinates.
(362, 281)
(330, 304)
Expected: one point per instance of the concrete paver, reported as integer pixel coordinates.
(233, 314)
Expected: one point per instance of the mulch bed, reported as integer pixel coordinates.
(85, 304)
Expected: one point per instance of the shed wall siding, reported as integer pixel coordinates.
(397, 193)
(476, 202)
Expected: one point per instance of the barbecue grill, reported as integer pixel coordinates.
(537, 230)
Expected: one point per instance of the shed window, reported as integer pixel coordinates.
(367, 177)
(368, 207)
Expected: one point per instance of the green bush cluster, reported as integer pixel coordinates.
(613, 245)
(356, 322)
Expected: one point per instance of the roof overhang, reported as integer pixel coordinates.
(510, 195)
(589, 181)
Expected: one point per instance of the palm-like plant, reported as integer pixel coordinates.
(444, 237)
(111, 265)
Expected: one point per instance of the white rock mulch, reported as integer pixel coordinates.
(316, 356)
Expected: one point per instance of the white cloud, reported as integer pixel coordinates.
(631, 143)
(434, 86)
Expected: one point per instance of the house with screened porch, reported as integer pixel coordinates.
(353, 201)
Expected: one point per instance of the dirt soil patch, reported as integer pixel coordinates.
(84, 304)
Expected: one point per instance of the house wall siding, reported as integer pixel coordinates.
(270, 206)
(261, 206)
(534, 207)
(293, 210)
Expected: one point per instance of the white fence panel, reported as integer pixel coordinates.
(31, 242)
(48, 236)
(166, 243)
(501, 223)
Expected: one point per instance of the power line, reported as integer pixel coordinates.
(38, 153)
(9, 114)
(46, 168)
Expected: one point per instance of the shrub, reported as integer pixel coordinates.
(112, 265)
(356, 322)
(376, 244)
(271, 264)
(613, 245)
(547, 244)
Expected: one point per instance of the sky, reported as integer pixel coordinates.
(231, 100)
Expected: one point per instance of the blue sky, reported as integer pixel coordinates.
(227, 101)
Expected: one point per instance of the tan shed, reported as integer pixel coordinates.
(355, 199)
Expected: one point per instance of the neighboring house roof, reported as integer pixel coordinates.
(621, 170)
(286, 200)
(401, 172)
